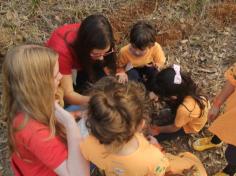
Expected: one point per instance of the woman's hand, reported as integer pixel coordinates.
(122, 77)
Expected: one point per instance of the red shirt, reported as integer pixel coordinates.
(37, 154)
(59, 41)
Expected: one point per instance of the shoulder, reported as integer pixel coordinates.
(157, 46)
(156, 49)
(61, 36)
(188, 104)
(26, 127)
(25, 122)
(67, 27)
(90, 140)
(124, 49)
(146, 146)
(151, 151)
(91, 148)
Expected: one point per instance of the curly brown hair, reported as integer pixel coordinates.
(116, 112)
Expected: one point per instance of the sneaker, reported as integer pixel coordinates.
(204, 144)
(221, 174)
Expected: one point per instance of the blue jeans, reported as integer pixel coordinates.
(72, 108)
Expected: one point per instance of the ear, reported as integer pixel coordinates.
(141, 125)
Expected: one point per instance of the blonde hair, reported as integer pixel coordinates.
(28, 87)
(115, 113)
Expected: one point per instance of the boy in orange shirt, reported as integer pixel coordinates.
(142, 57)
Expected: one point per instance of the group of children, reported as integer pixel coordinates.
(117, 113)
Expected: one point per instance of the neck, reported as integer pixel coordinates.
(130, 147)
(136, 53)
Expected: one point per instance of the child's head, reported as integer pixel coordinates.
(30, 76)
(116, 113)
(142, 35)
(106, 82)
(172, 85)
(170, 82)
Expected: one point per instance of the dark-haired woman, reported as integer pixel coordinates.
(86, 53)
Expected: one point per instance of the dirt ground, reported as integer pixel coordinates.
(200, 35)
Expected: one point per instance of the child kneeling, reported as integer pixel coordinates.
(115, 144)
(188, 107)
(142, 57)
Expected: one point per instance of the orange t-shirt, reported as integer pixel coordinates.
(187, 115)
(224, 125)
(154, 54)
(146, 160)
(184, 161)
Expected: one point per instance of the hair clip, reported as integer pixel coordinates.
(178, 78)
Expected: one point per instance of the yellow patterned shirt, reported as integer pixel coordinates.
(146, 160)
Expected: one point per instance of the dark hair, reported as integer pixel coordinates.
(163, 85)
(115, 112)
(142, 35)
(95, 32)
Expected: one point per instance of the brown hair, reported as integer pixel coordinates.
(28, 87)
(142, 35)
(115, 113)
(95, 32)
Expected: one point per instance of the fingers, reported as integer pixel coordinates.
(122, 78)
(76, 114)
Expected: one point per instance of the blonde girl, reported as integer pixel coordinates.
(37, 138)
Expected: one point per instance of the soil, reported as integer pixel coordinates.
(200, 35)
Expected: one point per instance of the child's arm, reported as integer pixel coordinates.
(75, 163)
(155, 130)
(168, 128)
(227, 90)
(121, 64)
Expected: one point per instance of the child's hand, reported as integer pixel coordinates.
(152, 64)
(149, 64)
(63, 116)
(153, 96)
(122, 77)
(152, 140)
(76, 114)
(154, 130)
(213, 113)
